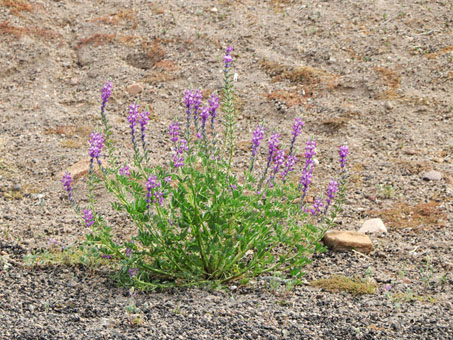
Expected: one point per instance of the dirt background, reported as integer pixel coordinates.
(377, 75)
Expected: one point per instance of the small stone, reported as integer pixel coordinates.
(432, 175)
(134, 89)
(347, 240)
(388, 106)
(449, 179)
(374, 225)
(214, 10)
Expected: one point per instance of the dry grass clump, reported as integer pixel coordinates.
(442, 51)
(299, 75)
(419, 217)
(99, 39)
(16, 7)
(355, 286)
(391, 80)
(290, 98)
(17, 32)
(127, 16)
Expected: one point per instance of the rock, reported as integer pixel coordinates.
(449, 179)
(432, 175)
(374, 225)
(347, 240)
(79, 169)
(388, 105)
(134, 89)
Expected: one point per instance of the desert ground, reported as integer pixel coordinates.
(377, 75)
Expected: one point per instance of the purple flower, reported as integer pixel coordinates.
(104, 256)
(310, 151)
(88, 217)
(297, 130)
(228, 59)
(204, 115)
(106, 92)
(258, 136)
(196, 102)
(67, 181)
(279, 159)
(143, 119)
(125, 171)
(128, 252)
(178, 158)
(96, 144)
(174, 131)
(273, 146)
(343, 151)
(213, 105)
(332, 189)
(132, 119)
(167, 179)
(157, 196)
(317, 205)
(289, 166)
(133, 272)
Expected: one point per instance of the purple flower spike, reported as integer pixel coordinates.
(124, 171)
(317, 205)
(332, 189)
(297, 130)
(88, 217)
(213, 105)
(133, 272)
(96, 144)
(132, 119)
(343, 151)
(67, 182)
(228, 59)
(178, 158)
(152, 184)
(174, 131)
(289, 166)
(273, 146)
(143, 119)
(279, 159)
(106, 93)
(310, 151)
(258, 136)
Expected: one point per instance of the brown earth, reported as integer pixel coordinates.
(377, 75)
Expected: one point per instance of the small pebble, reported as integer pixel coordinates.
(432, 175)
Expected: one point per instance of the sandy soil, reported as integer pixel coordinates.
(377, 75)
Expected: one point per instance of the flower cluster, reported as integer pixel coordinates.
(289, 166)
(67, 183)
(227, 59)
(132, 119)
(258, 136)
(213, 105)
(106, 93)
(297, 130)
(307, 172)
(88, 217)
(343, 151)
(192, 101)
(125, 171)
(143, 119)
(178, 158)
(155, 195)
(174, 131)
(96, 144)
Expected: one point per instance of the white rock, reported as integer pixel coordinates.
(432, 175)
(374, 225)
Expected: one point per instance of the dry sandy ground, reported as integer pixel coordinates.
(376, 74)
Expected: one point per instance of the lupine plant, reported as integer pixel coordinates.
(197, 220)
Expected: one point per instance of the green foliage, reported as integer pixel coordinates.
(211, 227)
